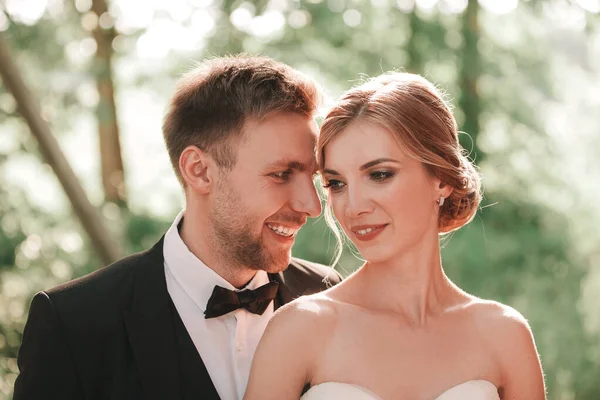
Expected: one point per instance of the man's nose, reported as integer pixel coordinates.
(306, 200)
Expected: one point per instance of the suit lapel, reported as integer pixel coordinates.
(150, 329)
(301, 279)
(289, 288)
(283, 294)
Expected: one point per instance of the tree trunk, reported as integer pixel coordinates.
(113, 178)
(470, 71)
(93, 224)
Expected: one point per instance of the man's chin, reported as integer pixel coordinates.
(278, 264)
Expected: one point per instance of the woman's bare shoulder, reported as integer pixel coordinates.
(494, 314)
(505, 328)
(290, 348)
(317, 311)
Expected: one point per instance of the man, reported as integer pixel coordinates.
(183, 319)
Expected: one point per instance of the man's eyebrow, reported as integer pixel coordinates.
(378, 161)
(295, 165)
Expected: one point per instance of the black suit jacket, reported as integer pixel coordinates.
(115, 334)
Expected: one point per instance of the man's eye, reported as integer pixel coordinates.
(282, 175)
(334, 185)
(381, 175)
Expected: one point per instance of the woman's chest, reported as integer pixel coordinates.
(399, 361)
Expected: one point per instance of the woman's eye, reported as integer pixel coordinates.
(381, 175)
(333, 185)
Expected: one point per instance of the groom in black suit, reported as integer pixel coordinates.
(182, 320)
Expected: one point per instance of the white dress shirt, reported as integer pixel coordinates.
(227, 343)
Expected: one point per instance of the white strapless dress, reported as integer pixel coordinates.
(471, 390)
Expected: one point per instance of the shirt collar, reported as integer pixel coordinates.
(196, 278)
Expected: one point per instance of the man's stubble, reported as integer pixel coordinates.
(234, 230)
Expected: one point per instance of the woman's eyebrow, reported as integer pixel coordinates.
(364, 166)
(377, 161)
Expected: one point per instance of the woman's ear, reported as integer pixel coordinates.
(445, 189)
(441, 189)
(197, 169)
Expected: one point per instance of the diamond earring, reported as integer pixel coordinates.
(440, 201)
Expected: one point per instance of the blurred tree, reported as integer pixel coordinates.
(470, 70)
(107, 249)
(113, 177)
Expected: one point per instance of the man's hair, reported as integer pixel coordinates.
(213, 102)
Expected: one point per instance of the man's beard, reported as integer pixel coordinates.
(235, 240)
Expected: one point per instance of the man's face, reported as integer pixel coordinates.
(261, 203)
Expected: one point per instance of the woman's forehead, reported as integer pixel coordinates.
(360, 142)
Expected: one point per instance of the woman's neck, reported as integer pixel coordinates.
(412, 284)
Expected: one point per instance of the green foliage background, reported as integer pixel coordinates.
(525, 89)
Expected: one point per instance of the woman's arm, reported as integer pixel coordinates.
(522, 376)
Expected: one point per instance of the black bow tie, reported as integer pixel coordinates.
(223, 301)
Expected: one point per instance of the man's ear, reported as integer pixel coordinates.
(197, 169)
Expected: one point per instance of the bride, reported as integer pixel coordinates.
(397, 328)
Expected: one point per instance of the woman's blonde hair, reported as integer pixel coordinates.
(414, 110)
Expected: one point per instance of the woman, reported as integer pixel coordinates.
(397, 328)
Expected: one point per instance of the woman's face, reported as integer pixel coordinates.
(384, 200)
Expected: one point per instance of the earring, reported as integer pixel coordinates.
(440, 201)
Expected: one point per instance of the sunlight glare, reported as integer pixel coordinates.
(280, 5)
(106, 21)
(26, 11)
(565, 15)
(89, 21)
(352, 17)
(592, 6)
(151, 45)
(336, 6)
(299, 19)
(201, 3)
(405, 6)
(499, 7)
(269, 25)
(3, 22)
(131, 15)
(379, 3)
(87, 47)
(83, 5)
(165, 35)
(427, 4)
(8, 105)
(179, 10)
(87, 94)
(241, 17)
(202, 24)
(61, 269)
(71, 242)
(32, 247)
(453, 6)
(156, 42)
(15, 286)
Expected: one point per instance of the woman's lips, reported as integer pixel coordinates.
(367, 232)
